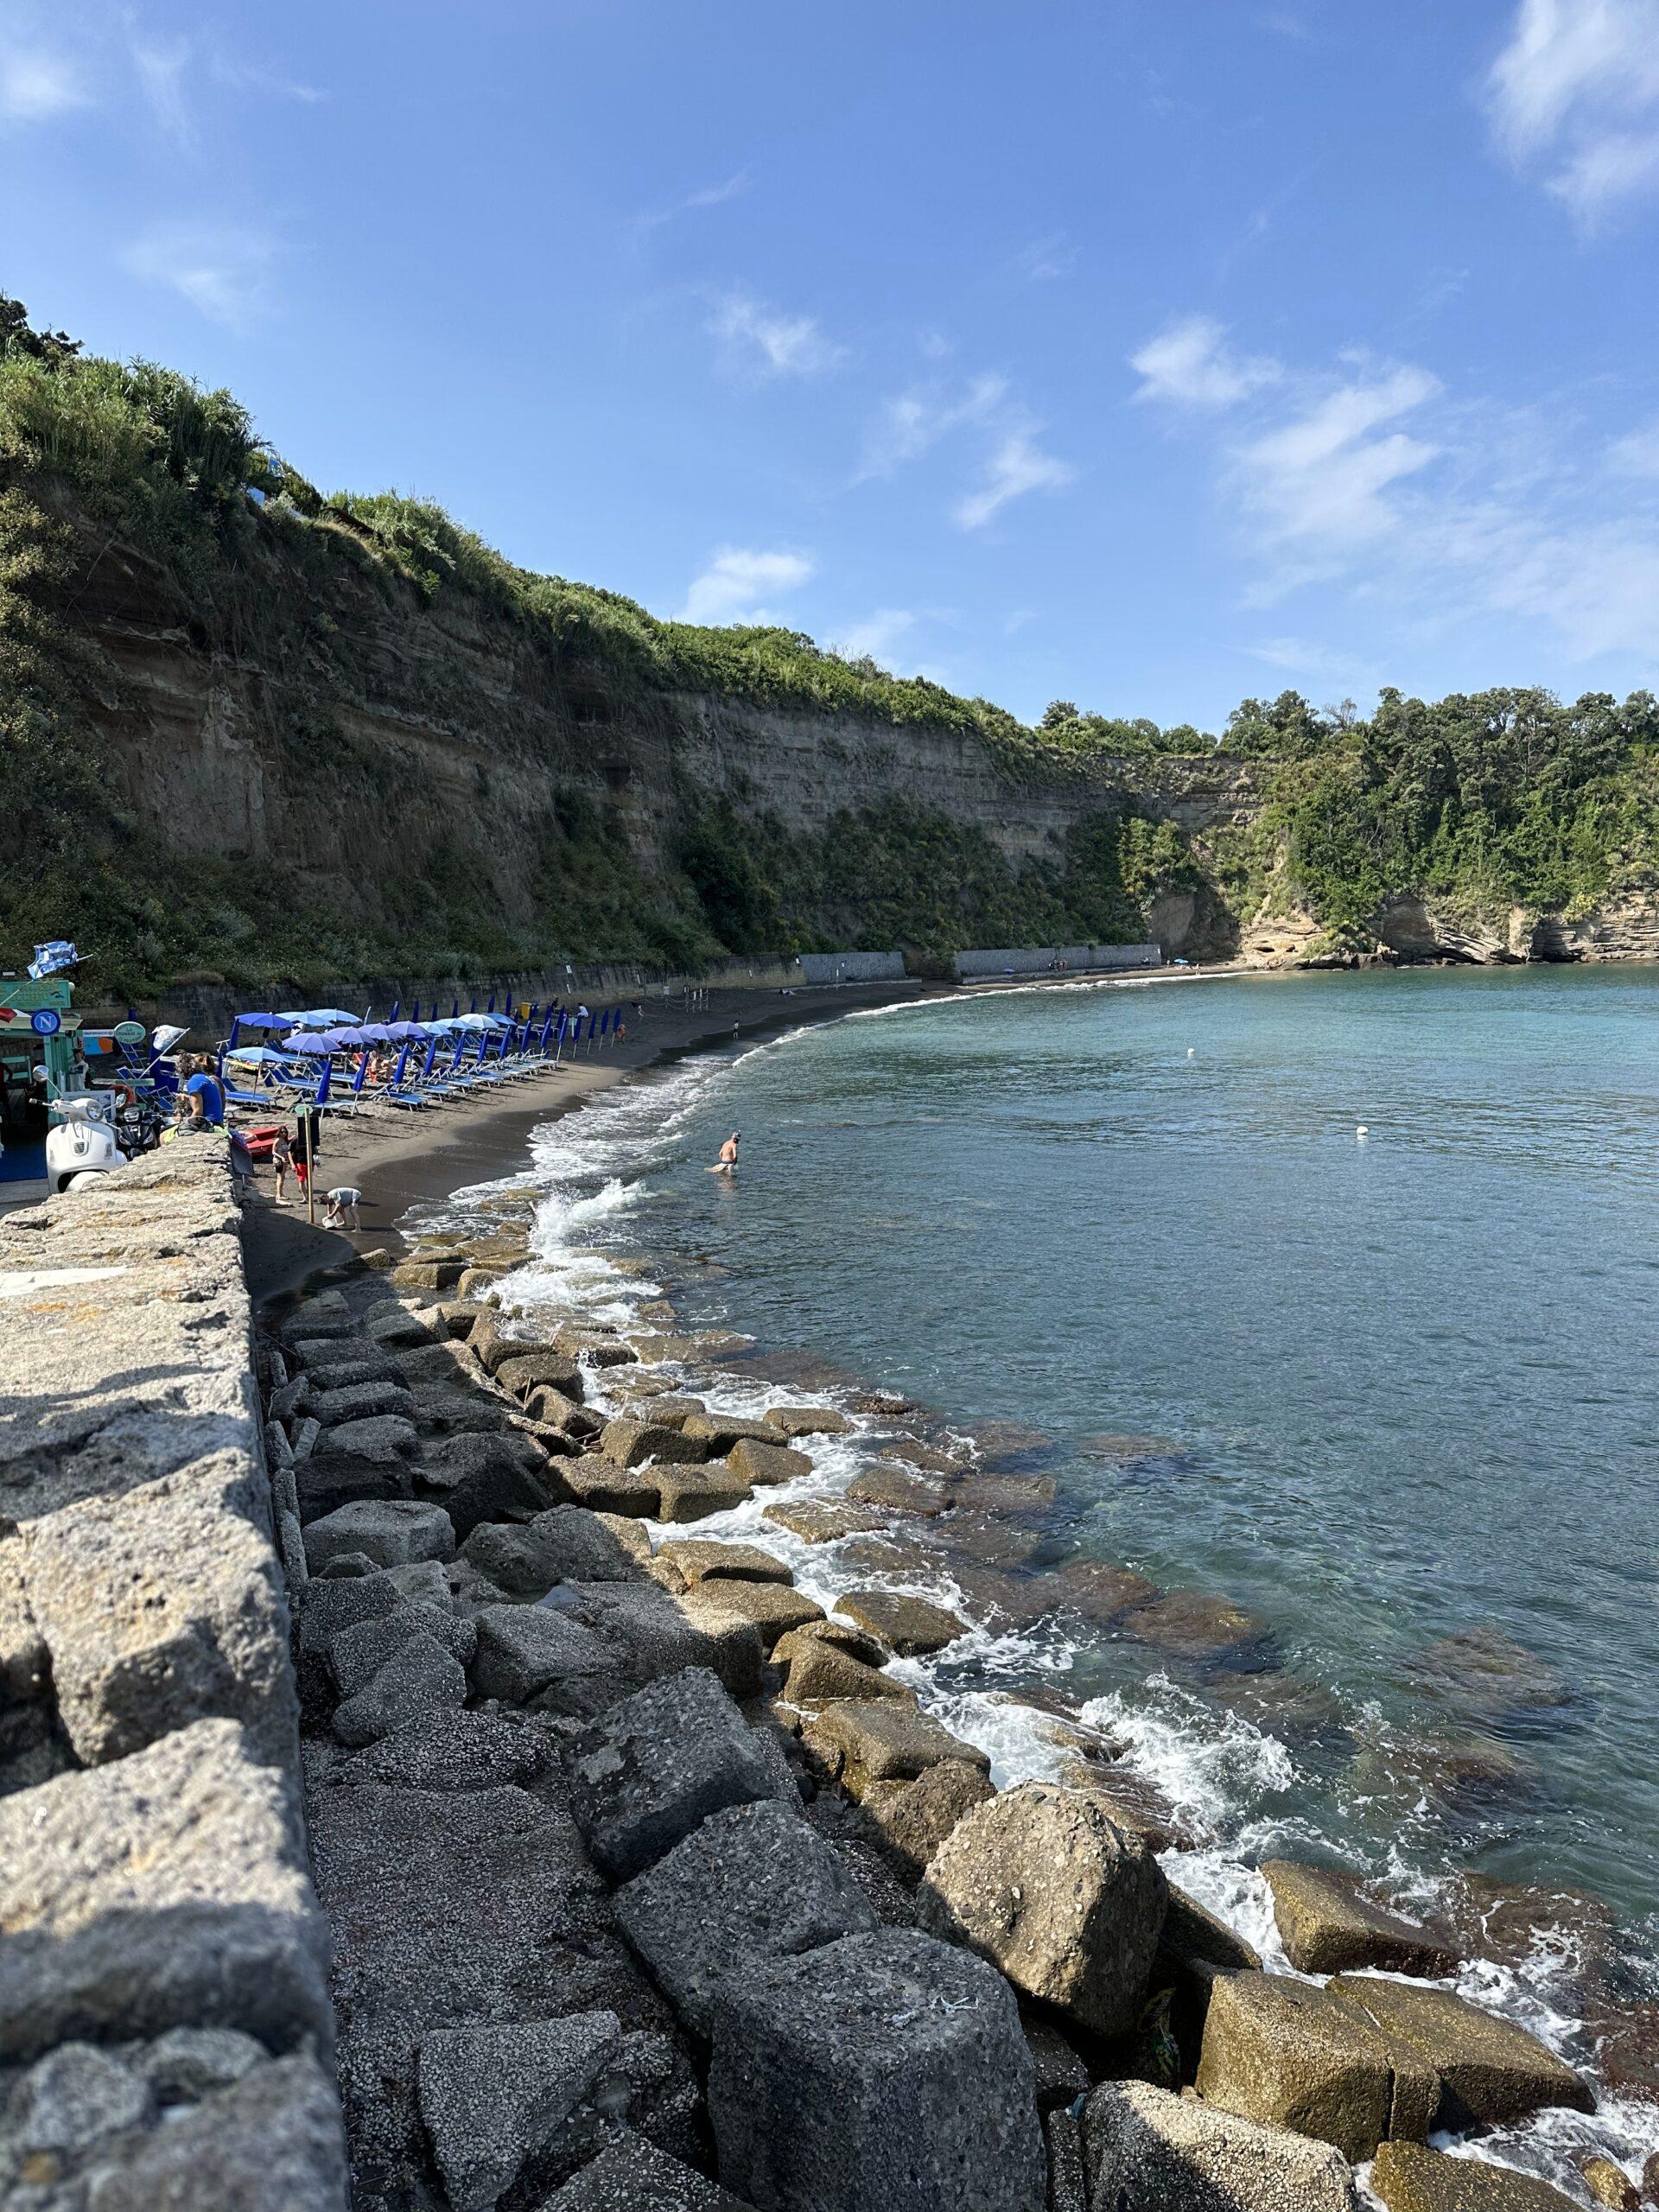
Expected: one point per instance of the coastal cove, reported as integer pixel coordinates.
(1305, 1375)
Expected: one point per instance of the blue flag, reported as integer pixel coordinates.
(49, 958)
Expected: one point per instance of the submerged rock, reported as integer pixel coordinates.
(906, 1626)
(816, 1522)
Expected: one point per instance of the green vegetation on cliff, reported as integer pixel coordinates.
(1502, 799)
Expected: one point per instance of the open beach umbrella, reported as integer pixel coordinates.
(258, 1055)
(264, 1022)
(373, 1033)
(404, 1029)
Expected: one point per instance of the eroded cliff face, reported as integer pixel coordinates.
(320, 718)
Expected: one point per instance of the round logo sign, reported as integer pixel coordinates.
(128, 1032)
(46, 1023)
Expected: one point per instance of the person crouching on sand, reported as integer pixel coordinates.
(728, 1156)
(343, 1208)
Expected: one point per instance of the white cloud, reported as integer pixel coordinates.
(161, 78)
(877, 635)
(1044, 260)
(1579, 83)
(1319, 481)
(707, 195)
(1190, 365)
(772, 345)
(1637, 454)
(913, 422)
(35, 86)
(737, 580)
(1018, 466)
(1305, 658)
(223, 272)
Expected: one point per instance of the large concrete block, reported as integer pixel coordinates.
(1491, 2070)
(631, 2175)
(390, 1531)
(483, 1478)
(1146, 2151)
(1281, 2051)
(524, 1649)
(754, 1882)
(652, 1634)
(886, 2073)
(656, 1766)
(566, 1544)
(268, 2142)
(494, 2097)
(1329, 1924)
(167, 1890)
(162, 1605)
(1069, 1907)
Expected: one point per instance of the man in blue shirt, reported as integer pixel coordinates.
(206, 1096)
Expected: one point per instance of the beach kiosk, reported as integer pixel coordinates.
(40, 1036)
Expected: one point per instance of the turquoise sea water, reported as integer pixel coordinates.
(1394, 1396)
(1394, 1390)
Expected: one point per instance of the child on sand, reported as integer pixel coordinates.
(282, 1160)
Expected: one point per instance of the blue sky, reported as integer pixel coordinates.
(1140, 352)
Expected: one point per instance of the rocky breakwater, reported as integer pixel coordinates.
(651, 1885)
(165, 2033)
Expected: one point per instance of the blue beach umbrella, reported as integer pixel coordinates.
(264, 1022)
(257, 1056)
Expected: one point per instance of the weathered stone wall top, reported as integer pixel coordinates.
(163, 1956)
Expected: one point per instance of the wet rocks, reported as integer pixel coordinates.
(816, 1522)
(693, 1493)
(632, 1443)
(1281, 2051)
(862, 1741)
(1042, 1882)
(902, 1625)
(894, 1492)
(659, 1764)
(884, 2072)
(722, 1432)
(792, 1422)
(1147, 2150)
(494, 2097)
(764, 1465)
(1410, 2177)
(1490, 2070)
(1210, 1632)
(686, 1562)
(1609, 2185)
(821, 1672)
(752, 1883)
(1327, 1924)
(773, 1608)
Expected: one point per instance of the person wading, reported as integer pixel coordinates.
(727, 1164)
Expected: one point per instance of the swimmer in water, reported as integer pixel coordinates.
(727, 1162)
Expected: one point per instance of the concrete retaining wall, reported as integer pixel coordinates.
(852, 966)
(164, 1955)
(1043, 959)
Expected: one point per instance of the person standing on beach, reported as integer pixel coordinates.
(727, 1162)
(282, 1160)
(308, 1133)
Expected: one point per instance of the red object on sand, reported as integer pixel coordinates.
(260, 1141)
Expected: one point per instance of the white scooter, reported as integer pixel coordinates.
(93, 1132)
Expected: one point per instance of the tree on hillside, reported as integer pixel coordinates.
(19, 342)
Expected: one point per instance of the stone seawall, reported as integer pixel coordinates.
(165, 2034)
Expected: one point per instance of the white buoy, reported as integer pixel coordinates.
(1189, 1051)
(1362, 1131)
